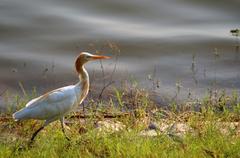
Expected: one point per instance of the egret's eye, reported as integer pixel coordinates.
(88, 57)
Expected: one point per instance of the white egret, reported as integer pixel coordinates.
(55, 104)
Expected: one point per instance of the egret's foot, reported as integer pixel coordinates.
(64, 133)
(30, 143)
(63, 128)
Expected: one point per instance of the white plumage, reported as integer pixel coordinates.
(52, 105)
(56, 104)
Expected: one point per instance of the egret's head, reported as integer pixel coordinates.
(84, 57)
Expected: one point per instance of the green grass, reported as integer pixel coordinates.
(211, 134)
(51, 143)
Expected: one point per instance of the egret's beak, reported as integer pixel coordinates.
(100, 57)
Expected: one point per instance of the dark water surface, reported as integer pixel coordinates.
(169, 41)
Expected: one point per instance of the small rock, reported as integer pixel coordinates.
(163, 127)
(149, 133)
(179, 129)
(153, 125)
(158, 126)
(176, 129)
(226, 127)
(110, 126)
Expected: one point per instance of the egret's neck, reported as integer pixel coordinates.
(83, 75)
(83, 84)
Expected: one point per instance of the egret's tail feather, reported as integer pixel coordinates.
(19, 115)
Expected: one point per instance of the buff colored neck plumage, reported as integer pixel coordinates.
(83, 84)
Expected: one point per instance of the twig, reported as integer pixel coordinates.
(100, 95)
(107, 115)
(22, 88)
(103, 73)
(111, 77)
(115, 67)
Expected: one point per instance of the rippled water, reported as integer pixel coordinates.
(159, 39)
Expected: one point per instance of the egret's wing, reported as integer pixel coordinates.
(48, 106)
(54, 96)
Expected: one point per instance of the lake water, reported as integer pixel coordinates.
(168, 42)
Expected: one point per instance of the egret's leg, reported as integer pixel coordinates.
(45, 124)
(64, 124)
(35, 133)
(63, 130)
